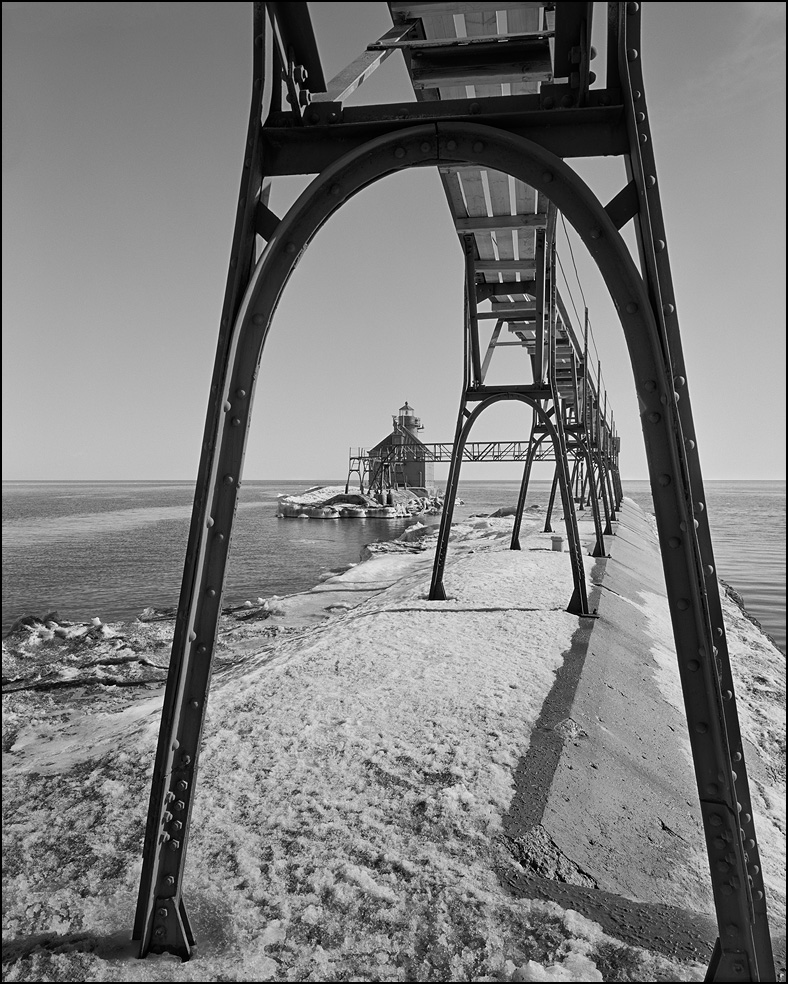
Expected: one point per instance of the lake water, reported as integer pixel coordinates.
(110, 549)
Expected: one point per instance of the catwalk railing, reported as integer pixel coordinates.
(504, 96)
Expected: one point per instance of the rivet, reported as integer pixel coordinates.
(655, 417)
(258, 319)
(474, 108)
(162, 911)
(733, 774)
(751, 843)
(689, 444)
(631, 307)
(399, 152)
(755, 869)
(548, 102)
(682, 604)
(547, 176)
(451, 144)
(194, 703)
(693, 666)
(426, 147)
(186, 759)
(159, 931)
(632, 54)
(240, 393)
(737, 756)
(478, 147)
(235, 422)
(595, 233)
(234, 261)
(664, 480)
(674, 542)
(228, 480)
(644, 138)
(641, 117)
(192, 636)
(659, 245)
(759, 895)
(700, 506)
(633, 8)
(649, 385)
(701, 727)
(202, 649)
(335, 190)
(738, 807)
(738, 967)
(219, 537)
(679, 381)
(746, 818)
(637, 95)
(211, 592)
(227, 406)
(290, 247)
(209, 522)
(650, 181)
(176, 745)
(708, 568)
(668, 308)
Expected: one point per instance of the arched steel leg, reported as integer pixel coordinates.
(599, 541)
(464, 421)
(607, 501)
(548, 528)
(533, 445)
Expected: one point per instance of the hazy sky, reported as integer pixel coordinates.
(123, 134)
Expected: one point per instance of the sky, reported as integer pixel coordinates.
(123, 134)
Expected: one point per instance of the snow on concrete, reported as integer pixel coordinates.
(358, 759)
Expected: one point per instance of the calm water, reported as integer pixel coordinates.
(110, 549)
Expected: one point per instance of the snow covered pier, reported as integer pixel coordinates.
(485, 788)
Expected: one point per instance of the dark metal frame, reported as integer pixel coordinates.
(645, 305)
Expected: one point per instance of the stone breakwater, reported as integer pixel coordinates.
(485, 788)
(333, 502)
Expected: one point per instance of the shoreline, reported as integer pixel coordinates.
(367, 776)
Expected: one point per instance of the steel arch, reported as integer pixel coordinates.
(671, 456)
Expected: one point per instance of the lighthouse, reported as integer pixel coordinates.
(401, 461)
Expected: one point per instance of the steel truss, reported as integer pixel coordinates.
(525, 135)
